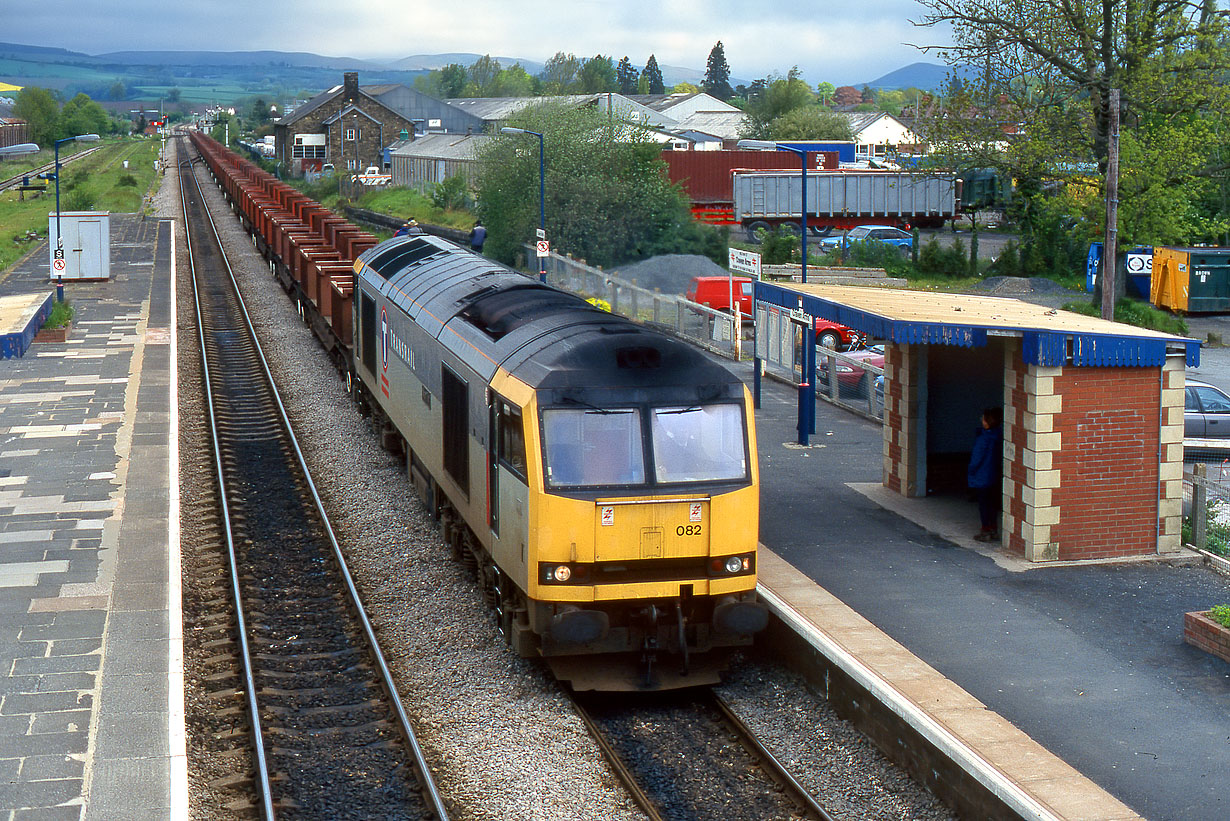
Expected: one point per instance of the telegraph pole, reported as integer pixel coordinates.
(1110, 252)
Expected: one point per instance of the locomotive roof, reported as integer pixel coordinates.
(491, 316)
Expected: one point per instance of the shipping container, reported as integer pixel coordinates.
(844, 199)
(1196, 280)
(707, 176)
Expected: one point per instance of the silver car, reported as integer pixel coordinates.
(1206, 412)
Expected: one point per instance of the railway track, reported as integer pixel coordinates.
(15, 180)
(330, 739)
(688, 756)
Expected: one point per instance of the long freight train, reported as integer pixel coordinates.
(599, 476)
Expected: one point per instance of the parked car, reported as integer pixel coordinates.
(851, 379)
(1206, 412)
(865, 233)
(833, 335)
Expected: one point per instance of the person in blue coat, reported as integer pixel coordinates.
(478, 236)
(986, 464)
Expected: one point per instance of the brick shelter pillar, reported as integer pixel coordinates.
(905, 419)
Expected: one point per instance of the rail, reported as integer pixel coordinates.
(246, 372)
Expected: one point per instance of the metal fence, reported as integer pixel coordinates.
(716, 331)
(1210, 506)
(858, 385)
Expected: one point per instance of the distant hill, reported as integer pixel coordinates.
(302, 59)
(42, 54)
(925, 76)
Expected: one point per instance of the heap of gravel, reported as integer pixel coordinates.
(499, 734)
(669, 273)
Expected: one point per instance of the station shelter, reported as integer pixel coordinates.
(1092, 409)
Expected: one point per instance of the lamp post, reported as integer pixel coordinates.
(770, 145)
(80, 138)
(542, 193)
(807, 389)
(20, 148)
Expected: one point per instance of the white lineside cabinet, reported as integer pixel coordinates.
(87, 244)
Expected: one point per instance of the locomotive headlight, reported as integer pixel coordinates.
(734, 564)
(563, 573)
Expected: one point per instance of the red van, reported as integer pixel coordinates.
(715, 292)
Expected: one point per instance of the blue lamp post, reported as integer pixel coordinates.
(80, 138)
(807, 389)
(542, 192)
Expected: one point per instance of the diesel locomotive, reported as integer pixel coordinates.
(600, 477)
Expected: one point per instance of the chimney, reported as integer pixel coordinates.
(350, 85)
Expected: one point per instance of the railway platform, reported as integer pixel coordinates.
(91, 696)
(1071, 681)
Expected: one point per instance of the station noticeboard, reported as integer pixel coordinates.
(744, 262)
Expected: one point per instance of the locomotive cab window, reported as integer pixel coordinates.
(593, 447)
(511, 439)
(702, 443)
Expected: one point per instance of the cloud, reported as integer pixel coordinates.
(847, 43)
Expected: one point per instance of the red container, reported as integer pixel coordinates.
(705, 175)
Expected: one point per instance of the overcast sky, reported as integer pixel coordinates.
(839, 42)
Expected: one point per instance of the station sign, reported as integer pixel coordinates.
(745, 262)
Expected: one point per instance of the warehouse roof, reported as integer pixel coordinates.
(443, 146)
(1051, 337)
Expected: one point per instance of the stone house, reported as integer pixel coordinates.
(344, 126)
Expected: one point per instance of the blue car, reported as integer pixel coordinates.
(863, 233)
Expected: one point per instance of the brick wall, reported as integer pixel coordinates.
(1106, 488)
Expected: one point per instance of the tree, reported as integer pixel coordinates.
(847, 95)
(482, 75)
(173, 95)
(559, 75)
(717, 74)
(1043, 72)
(684, 88)
(39, 108)
(81, 115)
(626, 76)
(780, 97)
(117, 91)
(513, 81)
(597, 75)
(810, 123)
(825, 90)
(653, 76)
(608, 198)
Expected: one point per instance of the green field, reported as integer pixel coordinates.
(98, 182)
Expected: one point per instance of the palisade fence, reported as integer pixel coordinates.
(1210, 519)
(716, 331)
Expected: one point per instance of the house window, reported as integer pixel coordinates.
(354, 134)
(352, 165)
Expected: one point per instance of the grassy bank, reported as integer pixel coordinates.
(98, 182)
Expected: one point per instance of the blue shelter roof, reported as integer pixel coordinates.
(1050, 337)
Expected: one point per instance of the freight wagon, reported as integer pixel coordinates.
(706, 176)
(844, 199)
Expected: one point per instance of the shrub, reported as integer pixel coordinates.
(451, 194)
(1220, 613)
(1137, 313)
(61, 314)
(936, 260)
(777, 247)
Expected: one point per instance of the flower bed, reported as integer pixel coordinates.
(1201, 631)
